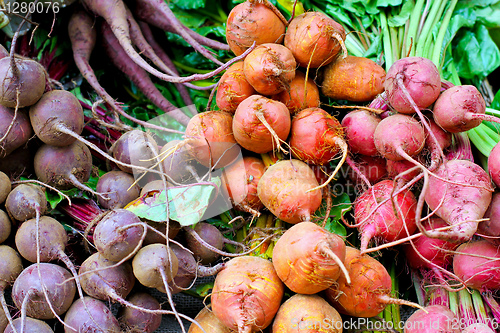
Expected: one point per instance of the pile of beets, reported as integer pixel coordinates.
(279, 150)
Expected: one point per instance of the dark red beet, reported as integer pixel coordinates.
(59, 286)
(63, 167)
(57, 108)
(116, 186)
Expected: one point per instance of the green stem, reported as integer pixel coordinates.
(394, 41)
(386, 39)
(481, 139)
(413, 28)
(439, 48)
(479, 308)
(467, 315)
(191, 69)
(493, 112)
(426, 33)
(453, 296)
(354, 46)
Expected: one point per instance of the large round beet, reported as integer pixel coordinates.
(57, 108)
(27, 76)
(314, 39)
(59, 286)
(62, 166)
(253, 21)
(270, 68)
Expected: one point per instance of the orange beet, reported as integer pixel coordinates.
(301, 95)
(247, 294)
(253, 21)
(316, 137)
(369, 291)
(308, 258)
(355, 79)
(269, 68)
(284, 187)
(241, 179)
(307, 314)
(260, 124)
(314, 39)
(233, 88)
(210, 139)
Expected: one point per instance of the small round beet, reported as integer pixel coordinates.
(315, 39)
(419, 76)
(113, 237)
(139, 321)
(356, 79)
(24, 200)
(28, 76)
(459, 108)
(359, 127)
(153, 261)
(233, 88)
(137, 148)
(102, 319)
(209, 234)
(269, 68)
(397, 133)
(153, 237)
(210, 139)
(10, 266)
(177, 163)
(53, 239)
(116, 186)
(301, 95)
(100, 284)
(5, 226)
(253, 21)
(241, 179)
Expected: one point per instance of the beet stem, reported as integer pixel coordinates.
(345, 150)
(386, 299)
(355, 168)
(325, 249)
(62, 128)
(44, 288)
(200, 240)
(6, 310)
(169, 296)
(45, 185)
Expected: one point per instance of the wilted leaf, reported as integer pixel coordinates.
(186, 204)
